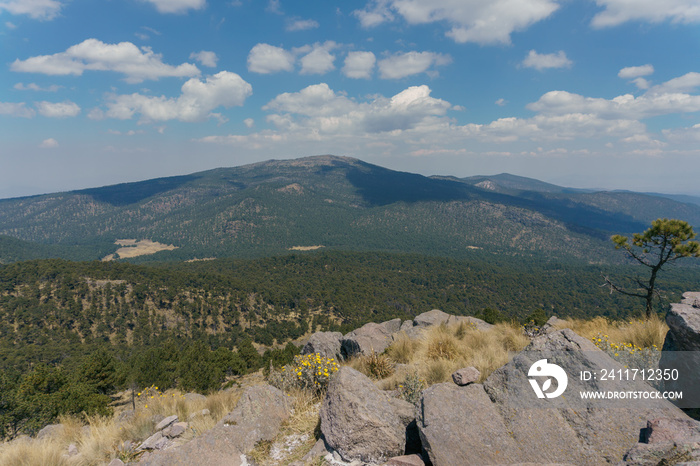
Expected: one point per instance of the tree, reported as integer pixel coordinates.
(666, 241)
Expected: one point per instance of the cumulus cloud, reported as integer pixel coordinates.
(196, 102)
(686, 83)
(632, 72)
(177, 6)
(359, 65)
(406, 64)
(58, 109)
(49, 143)
(501, 102)
(319, 60)
(137, 64)
(616, 12)
(249, 122)
(546, 60)
(36, 87)
(266, 59)
(470, 20)
(16, 109)
(37, 9)
(300, 24)
(205, 58)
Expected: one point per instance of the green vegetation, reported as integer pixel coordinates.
(666, 241)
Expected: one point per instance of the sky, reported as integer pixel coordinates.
(585, 93)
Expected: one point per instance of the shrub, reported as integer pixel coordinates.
(377, 366)
(309, 372)
(411, 388)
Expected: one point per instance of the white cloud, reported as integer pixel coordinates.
(37, 9)
(501, 102)
(686, 83)
(205, 58)
(177, 6)
(36, 87)
(92, 54)
(10, 25)
(689, 135)
(196, 102)
(58, 109)
(641, 83)
(359, 65)
(546, 60)
(300, 24)
(273, 6)
(319, 60)
(617, 12)
(16, 109)
(631, 72)
(249, 122)
(49, 143)
(484, 22)
(266, 59)
(406, 64)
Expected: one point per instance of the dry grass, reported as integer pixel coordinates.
(374, 365)
(644, 333)
(101, 439)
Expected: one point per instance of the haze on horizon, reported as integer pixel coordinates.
(589, 94)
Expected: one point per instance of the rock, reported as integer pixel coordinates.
(663, 454)
(672, 430)
(568, 428)
(477, 323)
(192, 397)
(204, 412)
(49, 431)
(116, 462)
(369, 338)
(551, 324)
(681, 349)
(466, 376)
(406, 325)
(327, 344)
(175, 430)
(392, 326)
(460, 425)
(166, 422)
(406, 460)
(126, 415)
(73, 449)
(430, 318)
(258, 416)
(318, 450)
(360, 422)
(155, 442)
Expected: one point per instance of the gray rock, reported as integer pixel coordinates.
(430, 318)
(116, 462)
(154, 442)
(327, 344)
(317, 451)
(477, 323)
(551, 324)
(406, 460)
(672, 430)
(49, 431)
(662, 454)
(175, 430)
(681, 350)
(204, 412)
(73, 449)
(406, 325)
(392, 326)
(466, 376)
(371, 337)
(360, 422)
(568, 429)
(166, 422)
(460, 425)
(258, 416)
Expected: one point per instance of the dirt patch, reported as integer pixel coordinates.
(294, 188)
(202, 259)
(305, 248)
(133, 248)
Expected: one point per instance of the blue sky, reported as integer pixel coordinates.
(584, 93)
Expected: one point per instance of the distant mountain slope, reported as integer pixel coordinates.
(335, 203)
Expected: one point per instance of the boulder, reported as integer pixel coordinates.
(371, 337)
(392, 326)
(258, 416)
(406, 460)
(116, 462)
(666, 441)
(319, 450)
(362, 423)
(156, 441)
(681, 349)
(193, 397)
(551, 324)
(327, 344)
(49, 431)
(73, 449)
(466, 376)
(175, 430)
(430, 318)
(166, 422)
(406, 325)
(567, 428)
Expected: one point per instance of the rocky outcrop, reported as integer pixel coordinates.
(327, 344)
(507, 414)
(666, 441)
(466, 376)
(681, 350)
(371, 337)
(362, 423)
(430, 318)
(257, 416)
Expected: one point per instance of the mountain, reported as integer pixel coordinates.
(331, 202)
